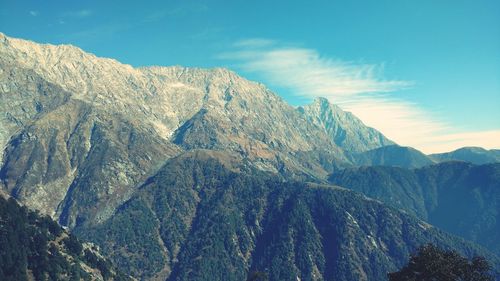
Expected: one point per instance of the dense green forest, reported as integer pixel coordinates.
(458, 197)
(36, 247)
(206, 216)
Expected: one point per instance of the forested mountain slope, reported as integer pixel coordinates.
(211, 216)
(458, 197)
(33, 247)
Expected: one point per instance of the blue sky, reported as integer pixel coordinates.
(426, 73)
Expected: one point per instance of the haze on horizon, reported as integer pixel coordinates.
(425, 74)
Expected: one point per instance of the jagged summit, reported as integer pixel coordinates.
(345, 129)
(165, 97)
(321, 101)
(73, 120)
(87, 130)
(168, 167)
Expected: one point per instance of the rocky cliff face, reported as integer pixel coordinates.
(79, 132)
(345, 129)
(65, 152)
(187, 173)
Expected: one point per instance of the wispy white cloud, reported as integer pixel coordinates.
(356, 87)
(402, 121)
(97, 33)
(489, 139)
(308, 74)
(34, 13)
(254, 43)
(189, 8)
(79, 14)
(409, 124)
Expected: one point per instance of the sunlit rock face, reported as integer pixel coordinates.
(345, 129)
(192, 174)
(79, 132)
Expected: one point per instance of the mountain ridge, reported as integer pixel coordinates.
(345, 129)
(64, 103)
(475, 155)
(162, 165)
(458, 197)
(393, 155)
(220, 221)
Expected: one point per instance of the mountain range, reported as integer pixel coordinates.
(458, 197)
(199, 174)
(74, 123)
(475, 155)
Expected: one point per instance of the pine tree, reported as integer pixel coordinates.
(431, 263)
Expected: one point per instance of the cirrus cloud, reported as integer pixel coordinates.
(357, 87)
(78, 14)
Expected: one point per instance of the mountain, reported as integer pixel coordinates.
(345, 129)
(457, 197)
(190, 174)
(88, 130)
(36, 248)
(392, 155)
(209, 215)
(475, 155)
(63, 155)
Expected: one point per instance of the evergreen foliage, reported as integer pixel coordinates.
(430, 263)
(33, 245)
(211, 218)
(458, 197)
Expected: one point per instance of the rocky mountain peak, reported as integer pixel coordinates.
(167, 167)
(163, 97)
(345, 129)
(77, 126)
(321, 103)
